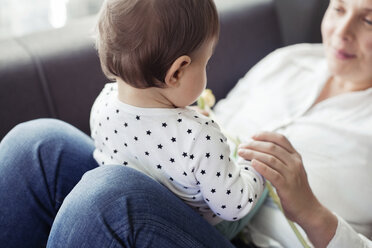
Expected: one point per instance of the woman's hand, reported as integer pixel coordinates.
(274, 157)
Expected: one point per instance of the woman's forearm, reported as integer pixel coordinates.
(320, 226)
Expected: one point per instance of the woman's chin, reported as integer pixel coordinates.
(342, 70)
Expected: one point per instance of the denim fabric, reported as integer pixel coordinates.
(40, 162)
(112, 206)
(116, 206)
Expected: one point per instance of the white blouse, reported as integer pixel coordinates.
(334, 138)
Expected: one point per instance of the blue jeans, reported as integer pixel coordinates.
(42, 164)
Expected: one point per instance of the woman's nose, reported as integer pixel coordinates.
(344, 28)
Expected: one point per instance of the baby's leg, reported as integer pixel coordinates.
(40, 162)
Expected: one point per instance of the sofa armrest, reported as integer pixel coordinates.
(248, 33)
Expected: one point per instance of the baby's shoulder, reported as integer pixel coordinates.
(206, 128)
(199, 120)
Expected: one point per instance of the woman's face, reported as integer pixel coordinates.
(347, 37)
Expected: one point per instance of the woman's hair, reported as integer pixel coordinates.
(138, 40)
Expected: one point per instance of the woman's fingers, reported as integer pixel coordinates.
(267, 159)
(275, 138)
(267, 172)
(268, 148)
(274, 151)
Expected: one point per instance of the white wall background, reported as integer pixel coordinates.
(21, 17)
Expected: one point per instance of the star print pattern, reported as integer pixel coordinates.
(183, 150)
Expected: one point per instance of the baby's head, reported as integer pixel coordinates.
(139, 40)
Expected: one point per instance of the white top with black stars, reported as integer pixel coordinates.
(181, 149)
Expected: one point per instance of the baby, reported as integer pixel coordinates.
(157, 51)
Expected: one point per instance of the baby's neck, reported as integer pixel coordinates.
(143, 98)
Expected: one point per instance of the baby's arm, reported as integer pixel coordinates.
(230, 189)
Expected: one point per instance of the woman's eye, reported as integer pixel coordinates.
(338, 9)
(367, 21)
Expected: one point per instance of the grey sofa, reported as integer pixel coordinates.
(57, 74)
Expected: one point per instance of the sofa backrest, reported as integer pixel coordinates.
(57, 73)
(300, 20)
(49, 74)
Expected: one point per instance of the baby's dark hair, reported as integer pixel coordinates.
(138, 40)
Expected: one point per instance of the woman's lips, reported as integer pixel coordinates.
(343, 55)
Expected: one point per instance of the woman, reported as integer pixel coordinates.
(321, 105)
(324, 110)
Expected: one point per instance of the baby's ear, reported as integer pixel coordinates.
(177, 70)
